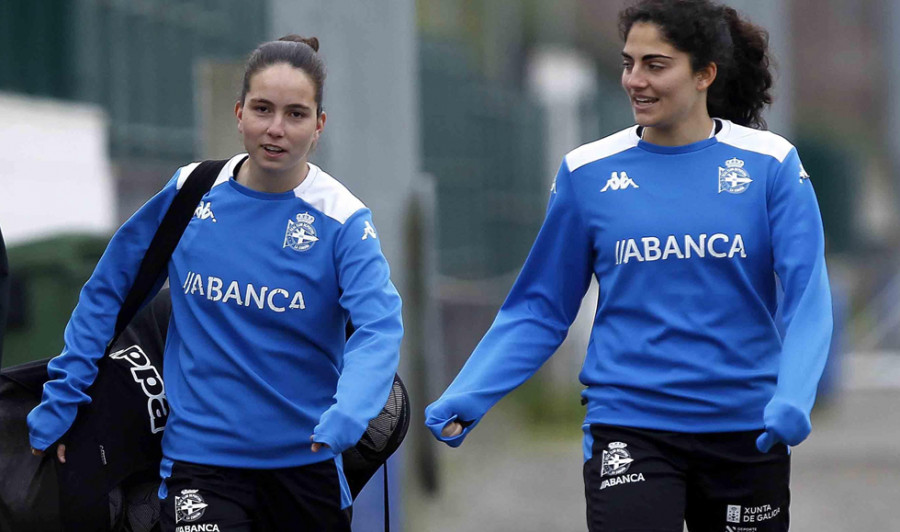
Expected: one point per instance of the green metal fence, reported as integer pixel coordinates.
(135, 58)
(34, 42)
(484, 144)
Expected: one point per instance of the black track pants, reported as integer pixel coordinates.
(221, 499)
(647, 480)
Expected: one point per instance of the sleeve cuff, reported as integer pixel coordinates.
(43, 426)
(787, 421)
(437, 426)
(338, 431)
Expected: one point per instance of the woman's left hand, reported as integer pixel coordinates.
(60, 452)
(316, 445)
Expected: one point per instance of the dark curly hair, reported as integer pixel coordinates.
(713, 33)
(299, 52)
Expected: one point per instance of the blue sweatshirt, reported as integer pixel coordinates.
(685, 243)
(257, 358)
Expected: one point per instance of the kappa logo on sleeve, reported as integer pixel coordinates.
(369, 231)
(803, 175)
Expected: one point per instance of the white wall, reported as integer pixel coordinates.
(54, 169)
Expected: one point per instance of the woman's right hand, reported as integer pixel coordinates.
(452, 430)
(60, 452)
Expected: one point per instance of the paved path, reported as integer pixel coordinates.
(846, 477)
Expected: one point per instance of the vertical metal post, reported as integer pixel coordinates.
(775, 17)
(371, 139)
(371, 136)
(4, 292)
(889, 93)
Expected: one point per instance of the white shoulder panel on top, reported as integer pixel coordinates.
(601, 149)
(328, 195)
(183, 174)
(224, 174)
(755, 140)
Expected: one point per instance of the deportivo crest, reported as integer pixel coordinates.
(300, 235)
(189, 506)
(734, 179)
(616, 460)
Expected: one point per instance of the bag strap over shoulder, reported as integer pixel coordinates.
(166, 238)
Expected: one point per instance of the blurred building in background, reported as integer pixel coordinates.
(100, 107)
(135, 60)
(447, 117)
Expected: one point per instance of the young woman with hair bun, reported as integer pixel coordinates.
(685, 219)
(264, 387)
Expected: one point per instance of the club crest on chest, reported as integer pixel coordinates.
(733, 178)
(300, 235)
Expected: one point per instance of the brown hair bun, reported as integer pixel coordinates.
(312, 42)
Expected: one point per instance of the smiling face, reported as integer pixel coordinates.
(280, 126)
(667, 96)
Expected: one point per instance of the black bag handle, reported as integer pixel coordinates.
(166, 238)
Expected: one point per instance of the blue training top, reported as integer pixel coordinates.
(257, 358)
(685, 243)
